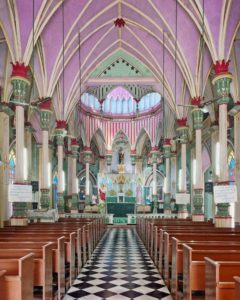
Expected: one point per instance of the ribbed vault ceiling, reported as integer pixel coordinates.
(146, 22)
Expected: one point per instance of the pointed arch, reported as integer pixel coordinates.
(143, 135)
(99, 139)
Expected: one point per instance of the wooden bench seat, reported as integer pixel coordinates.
(194, 267)
(219, 279)
(165, 251)
(58, 245)
(42, 262)
(17, 281)
(177, 255)
(237, 287)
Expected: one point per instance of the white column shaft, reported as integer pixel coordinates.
(74, 177)
(29, 152)
(237, 163)
(223, 142)
(19, 171)
(5, 211)
(87, 179)
(173, 176)
(45, 160)
(184, 167)
(154, 179)
(199, 173)
(60, 168)
(168, 177)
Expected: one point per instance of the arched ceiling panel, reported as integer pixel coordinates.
(25, 15)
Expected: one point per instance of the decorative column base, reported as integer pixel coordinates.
(223, 218)
(155, 204)
(182, 211)
(87, 200)
(19, 210)
(74, 204)
(45, 199)
(223, 222)
(61, 210)
(198, 217)
(198, 214)
(167, 204)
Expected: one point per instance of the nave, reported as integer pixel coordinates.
(119, 269)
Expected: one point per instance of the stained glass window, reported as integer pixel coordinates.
(12, 164)
(231, 166)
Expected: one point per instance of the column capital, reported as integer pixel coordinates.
(87, 154)
(45, 113)
(5, 108)
(154, 154)
(60, 131)
(235, 110)
(109, 157)
(167, 148)
(74, 147)
(133, 157)
(182, 130)
(197, 116)
(20, 83)
(222, 81)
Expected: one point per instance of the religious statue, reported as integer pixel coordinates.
(102, 193)
(120, 157)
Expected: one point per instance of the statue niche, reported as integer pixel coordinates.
(121, 157)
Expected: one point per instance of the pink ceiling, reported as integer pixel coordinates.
(97, 18)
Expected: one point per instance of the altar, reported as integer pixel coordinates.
(120, 192)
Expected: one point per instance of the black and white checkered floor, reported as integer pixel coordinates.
(119, 269)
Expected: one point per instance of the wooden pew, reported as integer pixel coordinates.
(58, 254)
(17, 283)
(2, 273)
(237, 287)
(177, 255)
(194, 267)
(42, 262)
(219, 281)
(165, 251)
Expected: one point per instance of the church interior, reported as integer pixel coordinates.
(119, 149)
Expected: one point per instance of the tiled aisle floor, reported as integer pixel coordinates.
(120, 269)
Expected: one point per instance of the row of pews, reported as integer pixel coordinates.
(196, 260)
(41, 260)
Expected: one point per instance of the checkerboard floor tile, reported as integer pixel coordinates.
(119, 269)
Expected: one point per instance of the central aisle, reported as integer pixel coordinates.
(119, 269)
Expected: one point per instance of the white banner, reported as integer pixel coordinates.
(225, 193)
(20, 193)
(182, 198)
